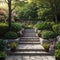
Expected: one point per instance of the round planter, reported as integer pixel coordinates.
(13, 49)
(57, 58)
(47, 49)
(2, 58)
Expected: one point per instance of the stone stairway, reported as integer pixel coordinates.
(29, 46)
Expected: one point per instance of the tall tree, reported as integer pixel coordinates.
(11, 6)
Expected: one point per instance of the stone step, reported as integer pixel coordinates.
(29, 53)
(29, 39)
(29, 46)
(30, 50)
(29, 42)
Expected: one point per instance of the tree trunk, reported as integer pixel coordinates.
(55, 12)
(9, 18)
(53, 5)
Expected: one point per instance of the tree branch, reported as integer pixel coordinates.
(13, 8)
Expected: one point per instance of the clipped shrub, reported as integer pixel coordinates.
(46, 46)
(2, 55)
(57, 54)
(3, 29)
(57, 46)
(2, 45)
(48, 34)
(44, 25)
(56, 29)
(11, 35)
(16, 27)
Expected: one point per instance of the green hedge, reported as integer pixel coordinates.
(56, 29)
(44, 25)
(16, 27)
(3, 28)
(11, 35)
(48, 34)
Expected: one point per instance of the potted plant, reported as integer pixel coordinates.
(2, 55)
(57, 54)
(46, 46)
(13, 46)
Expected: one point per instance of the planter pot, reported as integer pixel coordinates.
(47, 49)
(57, 58)
(13, 49)
(2, 58)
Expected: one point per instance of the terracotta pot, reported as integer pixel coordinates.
(47, 49)
(13, 49)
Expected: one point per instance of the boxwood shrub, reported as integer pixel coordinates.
(56, 29)
(48, 34)
(57, 54)
(44, 25)
(16, 27)
(11, 35)
(57, 45)
(3, 29)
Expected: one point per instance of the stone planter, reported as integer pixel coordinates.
(43, 41)
(58, 38)
(11, 40)
(47, 40)
(20, 33)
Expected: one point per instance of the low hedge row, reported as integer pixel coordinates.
(4, 32)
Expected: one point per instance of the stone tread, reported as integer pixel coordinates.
(30, 58)
(29, 46)
(29, 42)
(29, 53)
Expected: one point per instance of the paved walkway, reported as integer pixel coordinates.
(29, 48)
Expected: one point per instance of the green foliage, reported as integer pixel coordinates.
(56, 29)
(3, 54)
(27, 12)
(11, 35)
(48, 34)
(3, 15)
(3, 28)
(2, 45)
(16, 27)
(57, 53)
(28, 26)
(57, 46)
(13, 45)
(46, 45)
(44, 25)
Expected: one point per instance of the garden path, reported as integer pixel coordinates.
(29, 48)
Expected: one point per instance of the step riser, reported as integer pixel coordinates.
(28, 43)
(30, 50)
(26, 54)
